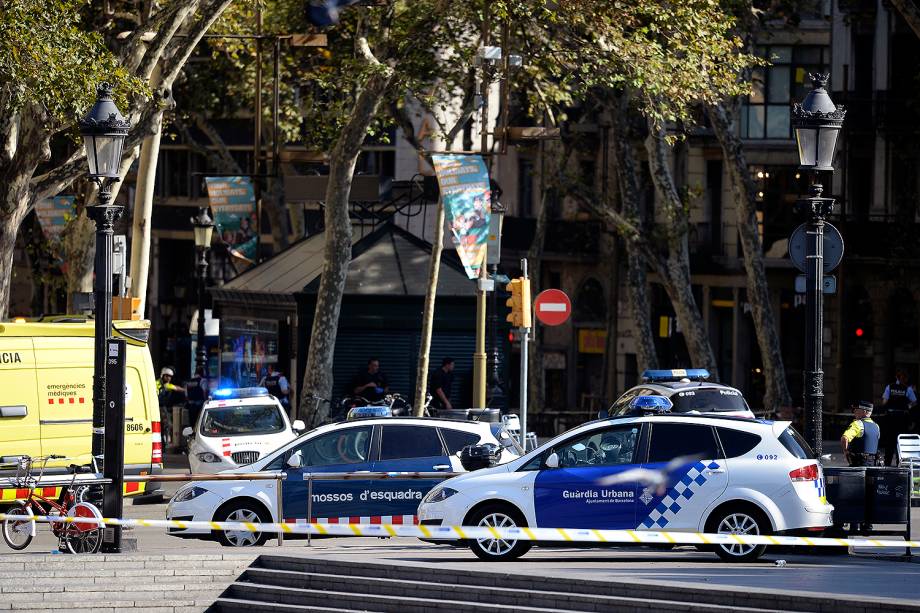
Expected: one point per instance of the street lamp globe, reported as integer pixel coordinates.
(204, 228)
(104, 130)
(817, 122)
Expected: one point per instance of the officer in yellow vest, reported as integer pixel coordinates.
(860, 440)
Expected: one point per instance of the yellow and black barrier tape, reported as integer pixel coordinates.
(579, 535)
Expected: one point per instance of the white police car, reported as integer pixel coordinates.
(236, 427)
(393, 444)
(752, 477)
(689, 392)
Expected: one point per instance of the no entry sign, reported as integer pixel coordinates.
(553, 307)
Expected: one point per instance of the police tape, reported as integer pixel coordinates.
(453, 533)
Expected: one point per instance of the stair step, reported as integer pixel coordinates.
(494, 594)
(226, 604)
(380, 602)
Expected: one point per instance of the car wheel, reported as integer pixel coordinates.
(741, 521)
(242, 511)
(498, 550)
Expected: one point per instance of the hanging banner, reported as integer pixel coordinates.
(464, 183)
(234, 205)
(54, 213)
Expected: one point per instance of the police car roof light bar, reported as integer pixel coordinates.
(651, 404)
(368, 412)
(676, 374)
(225, 393)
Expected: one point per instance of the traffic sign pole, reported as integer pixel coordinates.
(525, 356)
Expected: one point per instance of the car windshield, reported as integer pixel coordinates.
(242, 420)
(709, 400)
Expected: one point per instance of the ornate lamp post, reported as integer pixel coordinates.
(817, 122)
(204, 228)
(104, 130)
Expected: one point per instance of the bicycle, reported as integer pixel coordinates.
(76, 537)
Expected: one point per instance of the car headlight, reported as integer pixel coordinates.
(439, 494)
(189, 493)
(209, 457)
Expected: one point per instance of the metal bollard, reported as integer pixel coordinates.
(176, 427)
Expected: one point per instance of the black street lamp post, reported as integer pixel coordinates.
(817, 122)
(496, 387)
(104, 130)
(204, 227)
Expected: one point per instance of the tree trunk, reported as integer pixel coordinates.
(627, 169)
(337, 253)
(143, 214)
(273, 205)
(744, 191)
(676, 279)
(25, 146)
(434, 268)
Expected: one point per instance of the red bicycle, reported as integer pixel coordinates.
(75, 537)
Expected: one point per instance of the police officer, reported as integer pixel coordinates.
(165, 386)
(898, 398)
(196, 392)
(277, 385)
(860, 440)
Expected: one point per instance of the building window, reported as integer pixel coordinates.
(767, 112)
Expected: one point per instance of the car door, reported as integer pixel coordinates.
(345, 450)
(405, 448)
(572, 495)
(689, 487)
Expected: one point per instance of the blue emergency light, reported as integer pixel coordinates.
(226, 393)
(676, 374)
(368, 412)
(651, 404)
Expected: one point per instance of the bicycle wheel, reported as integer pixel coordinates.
(18, 533)
(83, 537)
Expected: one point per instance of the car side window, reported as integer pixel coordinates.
(401, 442)
(345, 446)
(736, 443)
(604, 447)
(670, 441)
(456, 440)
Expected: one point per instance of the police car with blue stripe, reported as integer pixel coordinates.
(689, 392)
(370, 441)
(736, 475)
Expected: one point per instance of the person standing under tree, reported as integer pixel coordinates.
(898, 398)
(441, 382)
(371, 384)
(277, 385)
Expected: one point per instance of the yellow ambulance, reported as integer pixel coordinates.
(46, 397)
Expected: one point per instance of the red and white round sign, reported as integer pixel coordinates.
(552, 307)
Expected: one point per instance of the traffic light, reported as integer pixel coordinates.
(519, 317)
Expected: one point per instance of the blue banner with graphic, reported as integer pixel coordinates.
(233, 202)
(467, 199)
(54, 214)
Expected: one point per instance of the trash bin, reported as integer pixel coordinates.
(846, 490)
(461, 414)
(492, 416)
(888, 495)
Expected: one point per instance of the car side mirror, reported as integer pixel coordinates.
(295, 461)
(187, 431)
(552, 460)
(298, 426)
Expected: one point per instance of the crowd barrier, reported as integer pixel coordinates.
(445, 533)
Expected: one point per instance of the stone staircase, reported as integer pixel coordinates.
(292, 584)
(163, 583)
